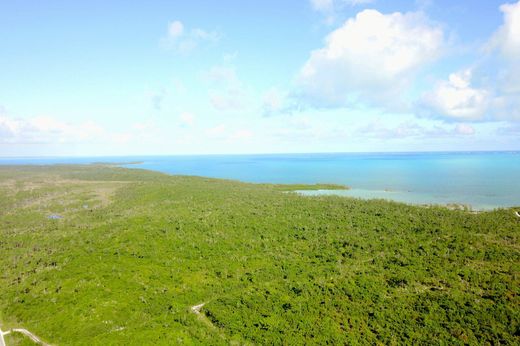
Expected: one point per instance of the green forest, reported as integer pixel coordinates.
(101, 255)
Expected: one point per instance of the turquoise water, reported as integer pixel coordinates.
(484, 180)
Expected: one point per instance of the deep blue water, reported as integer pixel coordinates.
(484, 180)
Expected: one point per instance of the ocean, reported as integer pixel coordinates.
(482, 180)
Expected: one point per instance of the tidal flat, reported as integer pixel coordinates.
(141, 257)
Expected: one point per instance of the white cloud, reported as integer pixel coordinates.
(42, 130)
(371, 57)
(175, 29)
(507, 41)
(457, 99)
(496, 93)
(45, 130)
(184, 41)
(507, 37)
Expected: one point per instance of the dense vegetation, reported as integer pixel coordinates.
(134, 250)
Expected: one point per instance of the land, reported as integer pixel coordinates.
(303, 187)
(136, 253)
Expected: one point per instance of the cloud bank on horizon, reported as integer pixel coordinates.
(316, 76)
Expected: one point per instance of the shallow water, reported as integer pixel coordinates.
(484, 180)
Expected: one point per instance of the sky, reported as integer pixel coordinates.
(105, 78)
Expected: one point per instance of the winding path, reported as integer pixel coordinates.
(2, 341)
(196, 308)
(201, 316)
(23, 331)
(517, 213)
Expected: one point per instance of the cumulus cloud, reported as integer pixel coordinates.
(457, 99)
(496, 94)
(507, 37)
(184, 41)
(507, 41)
(370, 58)
(44, 130)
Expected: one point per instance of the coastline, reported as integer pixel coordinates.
(425, 178)
(407, 197)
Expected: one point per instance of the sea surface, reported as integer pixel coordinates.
(482, 180)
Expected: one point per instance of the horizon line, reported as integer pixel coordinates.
(265, 153)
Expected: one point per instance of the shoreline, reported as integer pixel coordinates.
(406, 197)
(310, 189)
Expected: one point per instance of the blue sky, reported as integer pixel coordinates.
(206, 77)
